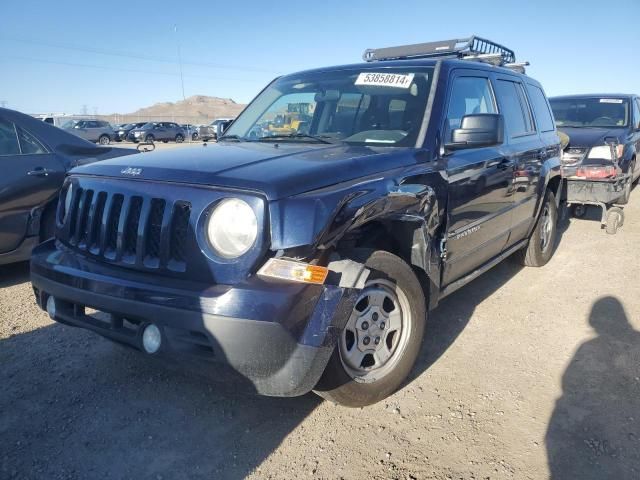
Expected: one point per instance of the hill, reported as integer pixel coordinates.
(197, 109)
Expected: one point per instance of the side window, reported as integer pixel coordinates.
(29, 145)
(469, 95)
(636, 113)
(8, 139)
(528, 117)
(544, 118)
(511, 108)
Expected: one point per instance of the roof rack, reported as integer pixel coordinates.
(472, 48)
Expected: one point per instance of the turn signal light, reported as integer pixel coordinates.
(294, 271)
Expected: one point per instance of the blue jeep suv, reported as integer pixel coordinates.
(309, 257)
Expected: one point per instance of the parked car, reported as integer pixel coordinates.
(191, 131)
(309, 261)
(157, 131)
(122, 132)
(35, 157)
(97, 131)
(593, 122)
(215, 129)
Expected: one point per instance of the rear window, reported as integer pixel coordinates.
(544, 119)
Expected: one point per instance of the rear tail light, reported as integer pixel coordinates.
(596, 172)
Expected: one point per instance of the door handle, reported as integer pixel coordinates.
(38, 172)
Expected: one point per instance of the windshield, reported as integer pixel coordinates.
(591, 112)
(383, 106)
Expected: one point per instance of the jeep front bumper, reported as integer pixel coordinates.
(279, 336)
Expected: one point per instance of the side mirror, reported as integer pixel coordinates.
(478, 130)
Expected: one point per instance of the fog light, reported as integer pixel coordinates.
(151, 338)
(51, 307)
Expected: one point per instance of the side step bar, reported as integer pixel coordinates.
(452, 287)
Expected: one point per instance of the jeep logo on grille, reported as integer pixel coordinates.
(134, 172)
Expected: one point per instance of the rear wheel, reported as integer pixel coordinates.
(382, 338)
(179, 138)
(579, 210)
(104, 140)
(542, 241)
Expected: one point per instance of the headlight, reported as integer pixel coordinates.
(232, 228)
(604, 152)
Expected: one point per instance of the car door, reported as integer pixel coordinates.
(31, 176)
(524, 149)
(480, 179)
(81, 129)
(160, 131)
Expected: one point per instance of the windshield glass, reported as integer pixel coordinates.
(383, 106)
(591, 112)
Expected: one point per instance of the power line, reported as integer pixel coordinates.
(132, 70)
(131, 55)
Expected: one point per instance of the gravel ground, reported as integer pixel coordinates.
(524, 374)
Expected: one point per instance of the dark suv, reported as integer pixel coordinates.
(309, 260)
(593, 123)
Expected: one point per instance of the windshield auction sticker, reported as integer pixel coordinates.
(385, 79)
(610, 100)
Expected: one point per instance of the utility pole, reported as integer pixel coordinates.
(85, 111)
(4, 103)
(175, 30)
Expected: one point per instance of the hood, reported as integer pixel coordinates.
(591, 137)
(276, 170)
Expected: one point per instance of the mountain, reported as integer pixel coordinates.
(197, 109)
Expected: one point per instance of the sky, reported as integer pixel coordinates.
(66, 56)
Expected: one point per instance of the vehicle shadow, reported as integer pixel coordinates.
(454, 312)
(594, 431)
(77, 406)
(13, 274)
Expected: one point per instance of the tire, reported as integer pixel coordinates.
(578, 211)
(179, 138)
(104, 140)
(149, 139)
(364, 385)
(194, 137)
(615, 219)
(541, 245)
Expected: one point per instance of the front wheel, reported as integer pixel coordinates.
(542, 241)
(179, 138)
(381, 340)
(149, 139)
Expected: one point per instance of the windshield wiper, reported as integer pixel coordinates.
(235, 138)
(317, 138)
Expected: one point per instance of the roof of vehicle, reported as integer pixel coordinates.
(594, 95)
(448, 63)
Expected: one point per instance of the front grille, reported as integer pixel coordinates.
(128, 229)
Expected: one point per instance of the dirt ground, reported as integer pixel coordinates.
(524, 374)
